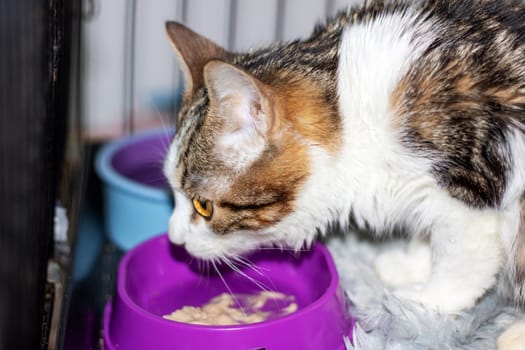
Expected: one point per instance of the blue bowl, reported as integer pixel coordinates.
(137, 199)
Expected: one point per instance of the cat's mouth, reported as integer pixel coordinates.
(209, 246)
(202, 243)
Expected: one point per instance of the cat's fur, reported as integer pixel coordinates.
(395, 116)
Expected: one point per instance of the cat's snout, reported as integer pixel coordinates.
(176, 231)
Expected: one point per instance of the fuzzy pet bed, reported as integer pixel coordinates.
(385, 321)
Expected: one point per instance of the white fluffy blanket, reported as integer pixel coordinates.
(385, 321)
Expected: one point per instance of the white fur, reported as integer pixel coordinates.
(400, 267)
(510, 206)
(179, 225)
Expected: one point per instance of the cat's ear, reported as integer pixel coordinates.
(242, 103)
(194, 51)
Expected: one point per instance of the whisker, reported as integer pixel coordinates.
(227, 287)
(284, 249)
(166, 138)
(198, 262)
(162, 149)
(205, 267)
(257, 283)
(245, 262)
(155, 178)
(164, 126)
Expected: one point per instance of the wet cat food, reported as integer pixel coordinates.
(233, 309)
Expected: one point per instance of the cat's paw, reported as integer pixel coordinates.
(401, 267)
(513, 338)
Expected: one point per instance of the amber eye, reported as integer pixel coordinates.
(203, 207)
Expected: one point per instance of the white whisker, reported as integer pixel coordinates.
(166, 140)
(245, 262)
(283, 249)
(227, 287)
(257, 283)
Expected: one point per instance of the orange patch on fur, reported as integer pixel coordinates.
(274, 179)
(422, 121)
(416, 96)
(301, 108)
(396, 102)
(465, 85)
(507, 96)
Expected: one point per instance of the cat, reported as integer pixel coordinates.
(392, 115)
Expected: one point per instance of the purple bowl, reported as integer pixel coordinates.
(157, 277)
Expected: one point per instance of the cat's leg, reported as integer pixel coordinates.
(466, 258)
(513, 338)
(404, 265)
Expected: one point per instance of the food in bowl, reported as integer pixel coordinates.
(235, 309)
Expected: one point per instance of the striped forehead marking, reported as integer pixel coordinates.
(191, 121)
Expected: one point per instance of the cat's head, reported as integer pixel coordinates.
(239, 159)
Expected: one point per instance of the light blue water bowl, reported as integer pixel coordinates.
(137, 199)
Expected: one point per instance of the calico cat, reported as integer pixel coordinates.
(393, 115)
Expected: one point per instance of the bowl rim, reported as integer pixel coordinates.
(330, 291)
(110, 176)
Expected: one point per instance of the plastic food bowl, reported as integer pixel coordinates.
(157, 278)
(137, 200)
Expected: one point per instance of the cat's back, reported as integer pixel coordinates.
(448, 79)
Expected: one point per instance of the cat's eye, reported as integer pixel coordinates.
(203, 207)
